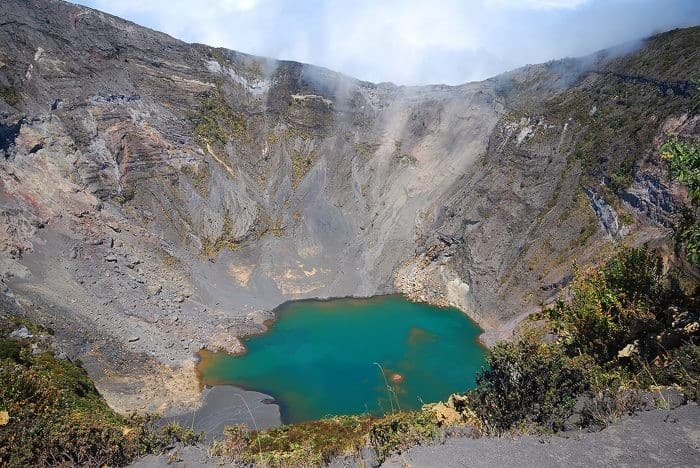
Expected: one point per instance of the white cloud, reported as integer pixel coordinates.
(537, 4)
(239, 5)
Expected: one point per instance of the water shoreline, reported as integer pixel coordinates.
(278, 310)
(226, 405)
(390, 326)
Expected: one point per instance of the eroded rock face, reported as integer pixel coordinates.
(238, 183)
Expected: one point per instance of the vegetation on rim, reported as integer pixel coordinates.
(52, 414)
(684, 165)
(316, 443)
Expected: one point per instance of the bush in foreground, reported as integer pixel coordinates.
(316, 443)
(625, 324)
(528, 384)
(684, 166)
(304, 444)
(56, 416)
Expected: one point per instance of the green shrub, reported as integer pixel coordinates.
(624, 324)
(10, 349)
(57, 416)
(615, 305)
(311, 443)
(402, 429)
(633, 321)
(10, 95)
(684, 165)
(680, 366)
(527, 383)
(586, 321)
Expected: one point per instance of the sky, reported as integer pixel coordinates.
(410, 42)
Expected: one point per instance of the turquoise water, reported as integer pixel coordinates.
(318, 357)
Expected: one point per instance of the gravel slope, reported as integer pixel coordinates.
(653, 438)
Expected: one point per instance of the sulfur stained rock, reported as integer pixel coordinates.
(445, 415)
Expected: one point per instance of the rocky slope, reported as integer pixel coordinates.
(158, 196)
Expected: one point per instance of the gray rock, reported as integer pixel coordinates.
(21, 333)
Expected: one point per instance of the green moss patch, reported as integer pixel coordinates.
(216, 123)
(10, 95)
(212, 247)
(301, 164)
